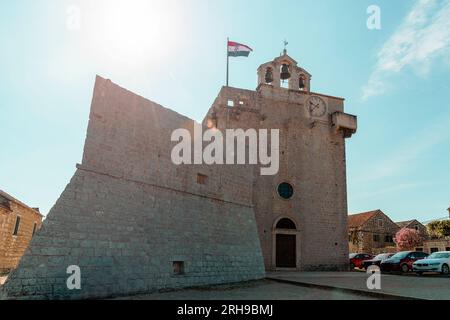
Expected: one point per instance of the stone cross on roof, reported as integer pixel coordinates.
(285, 46)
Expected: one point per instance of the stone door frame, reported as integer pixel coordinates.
(296, 233)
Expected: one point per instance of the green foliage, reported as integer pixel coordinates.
(439, 229)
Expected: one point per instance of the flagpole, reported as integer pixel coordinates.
(228, 61)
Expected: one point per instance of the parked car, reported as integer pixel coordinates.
(402, 261)
(435, 262)
(356, 259)
(377, 260)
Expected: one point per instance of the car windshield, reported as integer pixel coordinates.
(400, 255)
(381, 256)
(352, 255)
(439, 255)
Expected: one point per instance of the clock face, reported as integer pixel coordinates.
(316, 107)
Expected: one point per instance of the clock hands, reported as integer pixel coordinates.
(317, 108)
(315, 105)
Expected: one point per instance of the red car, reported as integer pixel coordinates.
(402, 261)
(356, 259)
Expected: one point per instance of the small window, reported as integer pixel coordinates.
(432, 250)
(380, 223)
(201, 178)
(16, 227)
(230, 103)
(447, 248)
(34, 229)
(285, 190)
(241, 103)
(286, 223)
(178, 268)
(419, 249)
(376, 238)
(416, 227)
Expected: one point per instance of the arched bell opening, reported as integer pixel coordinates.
(302, 82)
(285, 75)
(268, 76)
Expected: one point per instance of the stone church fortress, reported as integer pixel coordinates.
(134, 222)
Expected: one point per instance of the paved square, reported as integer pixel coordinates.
(255, 290)
(429, 286)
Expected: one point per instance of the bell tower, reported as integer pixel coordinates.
(284, 70)
(301, 211)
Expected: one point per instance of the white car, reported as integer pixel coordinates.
(435, 262)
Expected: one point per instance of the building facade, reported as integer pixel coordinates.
(371, 232)
(435, 245)
(18, 224)
(133, 221)
(414, 225)
(301, 212)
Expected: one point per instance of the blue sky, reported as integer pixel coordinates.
(396, 80)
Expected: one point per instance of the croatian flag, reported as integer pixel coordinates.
(238, 50)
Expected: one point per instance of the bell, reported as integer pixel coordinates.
(285, 72)
(269, 75)
(301, 83)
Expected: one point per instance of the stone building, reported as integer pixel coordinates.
(18, 224)
(415, 225)
(434, 245)
(371, 232)
(134, 222)
(301, 212)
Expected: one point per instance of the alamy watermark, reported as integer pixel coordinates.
(374, 19)
(374, 280)
(74, 280)
(73, 22)
(234, 151)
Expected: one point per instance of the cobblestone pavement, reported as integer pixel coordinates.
(256, 290)
(429, 286)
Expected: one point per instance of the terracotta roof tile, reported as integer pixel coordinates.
(357, 220)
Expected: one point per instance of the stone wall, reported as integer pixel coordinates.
(12, 247)
(436, 245)
(416, 225)
(128, 213)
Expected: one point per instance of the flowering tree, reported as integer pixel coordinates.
(408, 239)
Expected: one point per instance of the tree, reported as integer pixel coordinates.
(408, 239)
(354, 236)
(439, 229)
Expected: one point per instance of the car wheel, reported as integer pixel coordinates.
(405, 268)
(352, 266)
(445, 269)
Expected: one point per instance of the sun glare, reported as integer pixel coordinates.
(133, 32)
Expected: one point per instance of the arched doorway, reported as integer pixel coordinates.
(285, 235)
